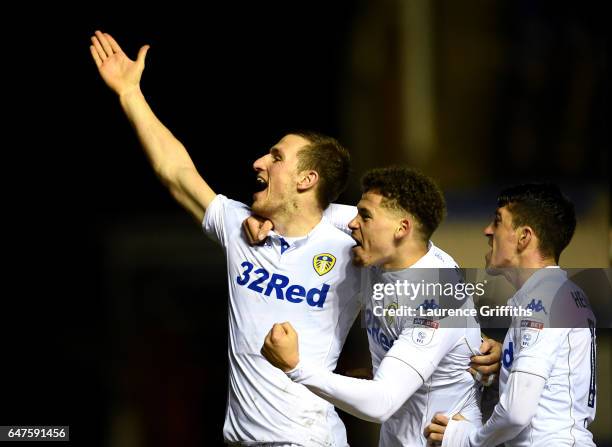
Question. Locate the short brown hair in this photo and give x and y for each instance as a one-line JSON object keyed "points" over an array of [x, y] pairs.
{"points": [[411, 191], [331, 161], [543, 207]]}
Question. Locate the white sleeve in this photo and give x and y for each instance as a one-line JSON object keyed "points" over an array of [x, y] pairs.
{"points": [[516, 407], [340, 216], [541, 335], [423, 345], [407, 365], [373, 400], [223, 218], [538, 348]]}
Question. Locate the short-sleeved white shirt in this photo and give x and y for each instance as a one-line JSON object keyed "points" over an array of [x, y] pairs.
{"points": [[556, 343], [308, 281], [439, 350]]}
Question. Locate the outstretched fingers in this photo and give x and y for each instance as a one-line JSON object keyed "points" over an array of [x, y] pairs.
{"points": [[105, 43], [98, 47], [95, 56], [113, 43]]}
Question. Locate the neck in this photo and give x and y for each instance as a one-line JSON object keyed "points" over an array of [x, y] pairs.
{"points": [[299, 222], [526, 267], [406, 255]]}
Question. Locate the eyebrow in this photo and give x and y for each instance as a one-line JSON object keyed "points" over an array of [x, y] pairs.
{"points": [[274, 152], [363, 211]]}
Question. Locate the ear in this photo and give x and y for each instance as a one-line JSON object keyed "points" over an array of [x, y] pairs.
{"points": [[307, 180], [403, 229], [524, 237]]}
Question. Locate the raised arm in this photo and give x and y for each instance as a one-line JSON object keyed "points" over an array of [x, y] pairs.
{"points": [[167, 155]]}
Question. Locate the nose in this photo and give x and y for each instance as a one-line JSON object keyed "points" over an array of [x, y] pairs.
{"points": [[353, 224], [259, 164], [488, 230]]}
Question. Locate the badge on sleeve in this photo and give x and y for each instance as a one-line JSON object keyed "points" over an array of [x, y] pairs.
{"points": [[530, 330], [423, 331]]}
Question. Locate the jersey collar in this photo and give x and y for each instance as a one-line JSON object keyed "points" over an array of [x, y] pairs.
{"points": [[291, 243]]}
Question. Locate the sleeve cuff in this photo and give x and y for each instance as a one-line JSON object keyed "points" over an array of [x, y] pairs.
{"points": [[296, 372], [457, 434]]}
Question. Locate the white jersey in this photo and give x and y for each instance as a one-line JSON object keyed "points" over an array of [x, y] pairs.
{"points": [[310, 282], [441, 355], [557, 343], [439, 350]]}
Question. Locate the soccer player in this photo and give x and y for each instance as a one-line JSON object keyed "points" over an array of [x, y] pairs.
{"points": [[547, 381], [420, 363], [302, 273]]}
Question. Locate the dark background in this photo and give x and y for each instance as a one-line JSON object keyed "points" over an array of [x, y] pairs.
{"points": [[115, 304]]}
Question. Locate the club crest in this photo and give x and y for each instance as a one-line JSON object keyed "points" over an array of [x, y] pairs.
{"points": [[388, 315], [323, 263]]}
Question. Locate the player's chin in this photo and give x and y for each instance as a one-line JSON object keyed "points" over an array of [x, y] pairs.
{"points": [[258, 198], [489, 267], [359, 258], [258, 206]]}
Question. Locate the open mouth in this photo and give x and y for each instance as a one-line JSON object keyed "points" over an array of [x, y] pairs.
{"points": [[260, 184]]}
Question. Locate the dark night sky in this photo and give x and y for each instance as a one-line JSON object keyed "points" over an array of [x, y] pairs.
{"points": [[228, 80]]}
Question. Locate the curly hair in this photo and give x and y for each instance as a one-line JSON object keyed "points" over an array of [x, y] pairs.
{"points": [[330, 159], [411, 191], [543, 207]]}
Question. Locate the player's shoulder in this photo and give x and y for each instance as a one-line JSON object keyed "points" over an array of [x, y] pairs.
{"points": [[332, 235], [550, 284], [557, 299], [421, 331], [437, 258], [328, 242], [229, 206], [337, 212], [222, 200]]}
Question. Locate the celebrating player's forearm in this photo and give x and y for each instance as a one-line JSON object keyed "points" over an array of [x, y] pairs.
{"points": [[167, 155], [373, 400], [515, 410]]}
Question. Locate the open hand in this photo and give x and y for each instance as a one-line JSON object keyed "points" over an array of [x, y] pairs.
{"points": [[119, 72]]}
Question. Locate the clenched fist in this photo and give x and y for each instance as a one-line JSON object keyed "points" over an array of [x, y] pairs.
{"points": [[281, 347]]}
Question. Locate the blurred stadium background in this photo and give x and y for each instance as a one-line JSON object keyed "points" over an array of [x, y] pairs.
{"points": [[121, 311]]}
